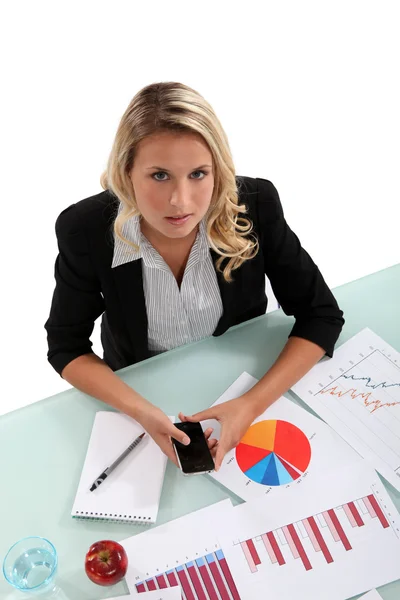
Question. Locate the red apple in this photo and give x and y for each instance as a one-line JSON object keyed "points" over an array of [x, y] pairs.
{"points": [[106, 562]]}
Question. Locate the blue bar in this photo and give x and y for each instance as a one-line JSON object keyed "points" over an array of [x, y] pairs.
{"points": [[220, 554], [180, 568], [210, 558], [190, 564], [169, 572], [200, 562]]}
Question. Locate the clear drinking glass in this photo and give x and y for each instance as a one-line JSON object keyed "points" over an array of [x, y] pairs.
{"points": [[30, 565]]}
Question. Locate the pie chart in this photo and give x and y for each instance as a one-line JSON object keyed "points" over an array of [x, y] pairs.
{"points": [[273, 453]]}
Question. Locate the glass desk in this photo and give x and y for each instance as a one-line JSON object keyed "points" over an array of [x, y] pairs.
{"points": [[43, 445]]}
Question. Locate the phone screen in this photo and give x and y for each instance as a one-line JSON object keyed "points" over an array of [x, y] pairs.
{"points": [[196, 457]]}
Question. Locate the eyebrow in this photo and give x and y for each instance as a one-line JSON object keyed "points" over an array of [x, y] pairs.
{"points": [[167, 170]]}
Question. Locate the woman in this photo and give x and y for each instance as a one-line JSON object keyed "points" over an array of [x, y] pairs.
{"points": [[176, 248]]}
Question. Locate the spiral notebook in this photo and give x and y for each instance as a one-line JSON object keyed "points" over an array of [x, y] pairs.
{"points": [[131, 493]]}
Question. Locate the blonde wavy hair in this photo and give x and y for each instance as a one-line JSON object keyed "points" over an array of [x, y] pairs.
{"points": [[175, 107]]}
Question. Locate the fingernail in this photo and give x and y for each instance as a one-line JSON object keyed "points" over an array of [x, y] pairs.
{"points": [[186, 441]]}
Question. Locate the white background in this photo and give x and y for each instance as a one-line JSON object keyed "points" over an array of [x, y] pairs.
{"points": [[307, 92]]}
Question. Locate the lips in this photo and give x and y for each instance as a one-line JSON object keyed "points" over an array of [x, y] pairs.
{"points": [[178, 216], [178, 220]]}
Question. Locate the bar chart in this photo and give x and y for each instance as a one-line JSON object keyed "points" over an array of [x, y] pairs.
{"points": [[204, 578], [185, 553], [319, 529], [345, 542]]}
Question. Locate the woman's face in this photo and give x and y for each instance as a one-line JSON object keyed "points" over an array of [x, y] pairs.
{"points": [[172, 176]]}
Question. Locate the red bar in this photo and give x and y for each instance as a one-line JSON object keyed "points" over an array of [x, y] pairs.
{"points": [[151, 585], [208, 583], [196, 583], [228, 576], [185, 584], [355, 513], [290, 541], [299, 547], [276, 549], [253, 552], [140, 587], [219, 581], [161, 581], [172, 579], [378, 511], [320, 539], [339, 529], [248, 557], [349, 515]]}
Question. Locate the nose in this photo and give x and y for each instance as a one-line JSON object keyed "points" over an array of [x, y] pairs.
{"points": [[179, 195], [177, 204]]}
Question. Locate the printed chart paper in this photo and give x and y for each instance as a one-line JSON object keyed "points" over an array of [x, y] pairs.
{"points": [[285, 452], [343, 542], [357, 392], [173, 593], [183, 552]]}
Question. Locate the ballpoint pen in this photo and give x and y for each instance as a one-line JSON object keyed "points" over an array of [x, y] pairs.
{"points": [[115, 464]]}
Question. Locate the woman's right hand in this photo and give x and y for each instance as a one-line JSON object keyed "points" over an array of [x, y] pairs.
{"points": [[161, 429]]}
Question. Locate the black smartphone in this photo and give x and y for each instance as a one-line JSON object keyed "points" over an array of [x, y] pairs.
{"points": [[195, 458]]}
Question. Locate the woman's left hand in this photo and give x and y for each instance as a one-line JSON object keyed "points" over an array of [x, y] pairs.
{"points": [[235, 417]]}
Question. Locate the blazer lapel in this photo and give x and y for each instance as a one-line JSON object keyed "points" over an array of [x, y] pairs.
{"points": [[228, 294], [129, 283]]}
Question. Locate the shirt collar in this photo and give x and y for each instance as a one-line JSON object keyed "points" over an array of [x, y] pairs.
{"points": [[124, 253]]}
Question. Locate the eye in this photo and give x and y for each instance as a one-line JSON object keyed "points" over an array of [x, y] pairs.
{"points": [[164, 173]]}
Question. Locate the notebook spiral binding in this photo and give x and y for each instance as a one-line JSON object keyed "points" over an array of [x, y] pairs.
{"points": [[112, 518]]}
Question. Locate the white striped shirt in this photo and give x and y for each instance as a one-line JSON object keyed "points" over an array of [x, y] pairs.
{"points": [[175, 316]]}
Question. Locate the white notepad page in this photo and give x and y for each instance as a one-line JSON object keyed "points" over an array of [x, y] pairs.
{"points": [[132, 491]]}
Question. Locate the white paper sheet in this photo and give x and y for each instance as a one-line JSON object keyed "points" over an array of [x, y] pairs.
{"points": [[173, 593], [346, 551], [303, 449], [372, 595], [184, 552], [358, 393]]}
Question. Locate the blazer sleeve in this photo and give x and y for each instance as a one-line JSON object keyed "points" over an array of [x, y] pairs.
{"points": [[295, 279], [77, 299]]}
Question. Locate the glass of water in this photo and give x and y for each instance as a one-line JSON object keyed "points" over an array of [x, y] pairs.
{"points": [[30, 565]]}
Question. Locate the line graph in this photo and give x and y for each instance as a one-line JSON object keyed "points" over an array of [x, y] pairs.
{"points": [[386, 424], [368, 398], [369, 380], [358, 393]]}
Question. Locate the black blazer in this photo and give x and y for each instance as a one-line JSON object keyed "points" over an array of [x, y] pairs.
{"points": [[87, 286]]}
